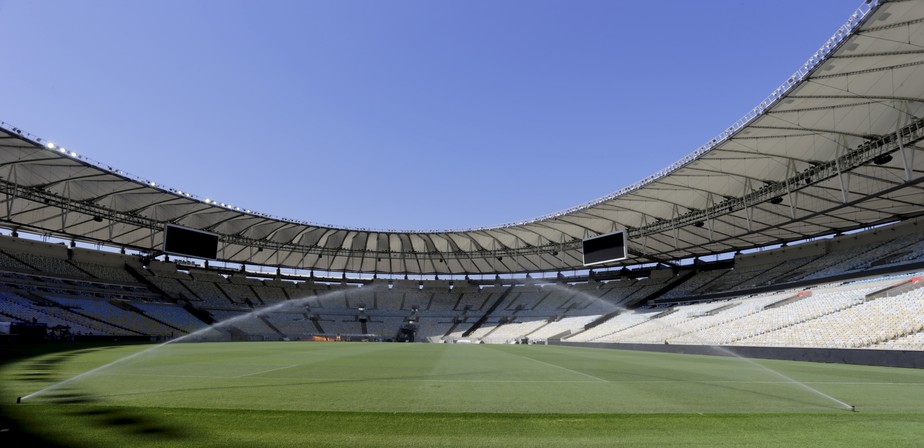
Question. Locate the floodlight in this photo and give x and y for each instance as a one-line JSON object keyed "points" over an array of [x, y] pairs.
{"points": [[883, 159]]}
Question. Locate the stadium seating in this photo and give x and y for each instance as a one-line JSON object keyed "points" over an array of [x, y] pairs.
{"points": [[97, 293]]}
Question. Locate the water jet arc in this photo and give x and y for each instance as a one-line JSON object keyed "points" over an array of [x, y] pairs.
{"points": [[254, 313], [717, 348]]}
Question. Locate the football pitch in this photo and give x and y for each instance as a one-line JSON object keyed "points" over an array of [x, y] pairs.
{"points": [[429, 395]]}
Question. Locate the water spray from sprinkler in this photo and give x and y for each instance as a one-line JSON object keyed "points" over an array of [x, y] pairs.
{"points": [[720, 349], [293, 303]]}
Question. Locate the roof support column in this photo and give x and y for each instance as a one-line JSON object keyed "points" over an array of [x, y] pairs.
{"points": [[842, 176], [67, 194], [907, 156], [790, 172], [710, 203], [748, 211], [11, 196], [674, 214]]}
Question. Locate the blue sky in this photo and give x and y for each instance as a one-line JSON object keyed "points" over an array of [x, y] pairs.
{"points": [[397, 114]]}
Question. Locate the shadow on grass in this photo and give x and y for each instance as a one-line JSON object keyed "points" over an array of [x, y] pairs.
{"points": [[14, 432]]}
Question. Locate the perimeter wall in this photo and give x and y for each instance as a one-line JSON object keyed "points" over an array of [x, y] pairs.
{"points": [[888, 358]]}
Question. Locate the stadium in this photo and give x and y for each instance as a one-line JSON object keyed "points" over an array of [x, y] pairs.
{"points": [[766, 289]]}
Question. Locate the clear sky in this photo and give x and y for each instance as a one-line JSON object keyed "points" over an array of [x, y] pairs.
{"points": [[397, 114]]}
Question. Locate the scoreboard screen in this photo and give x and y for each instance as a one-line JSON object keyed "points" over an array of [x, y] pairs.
{"points": [[605, 248], [190, 242]]}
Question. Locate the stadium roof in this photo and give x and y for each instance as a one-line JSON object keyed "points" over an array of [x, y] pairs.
{"points": [[833, 148]]}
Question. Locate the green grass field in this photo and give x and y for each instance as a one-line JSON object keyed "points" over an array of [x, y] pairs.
{"points": [[427, 395]]}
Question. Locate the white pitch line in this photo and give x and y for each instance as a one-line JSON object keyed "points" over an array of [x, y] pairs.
{"points": [[266, 371], [600, 380], [161, 375]]}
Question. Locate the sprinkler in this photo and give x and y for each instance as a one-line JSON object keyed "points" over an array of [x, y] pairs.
{"points": [[853, 408], [18, 400], [224, 323]]}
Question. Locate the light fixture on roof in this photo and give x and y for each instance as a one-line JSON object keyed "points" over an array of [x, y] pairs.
{"points": [[50, 145], [883, 159], [776, 200]]}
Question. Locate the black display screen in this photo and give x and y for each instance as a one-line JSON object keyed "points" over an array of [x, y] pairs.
{"points": [[605, 248], [190, 242]]}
